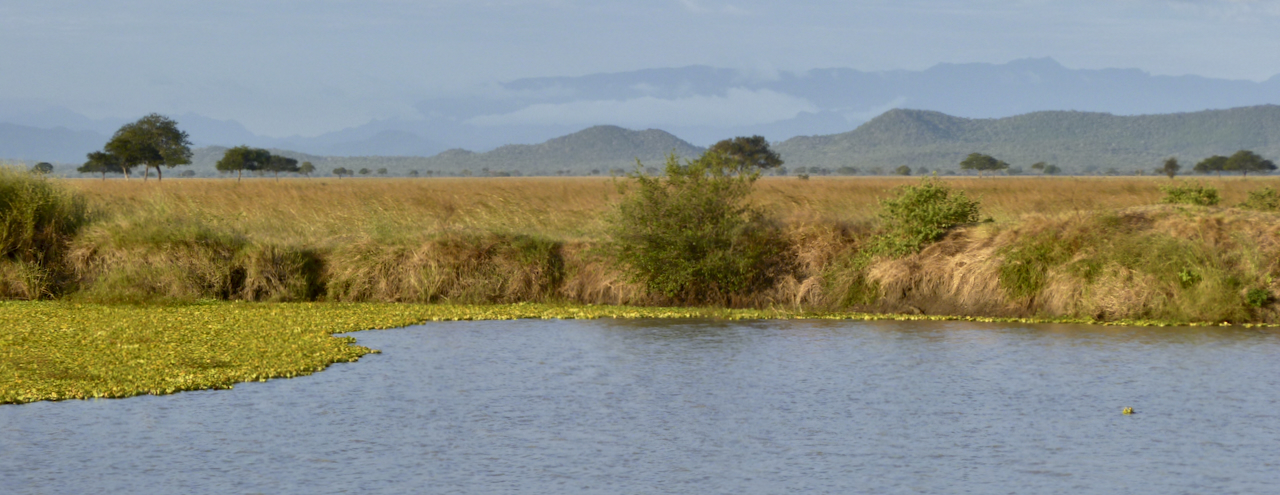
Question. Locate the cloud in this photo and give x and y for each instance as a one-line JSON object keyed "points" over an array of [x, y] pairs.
{"points": [[737, 107]]}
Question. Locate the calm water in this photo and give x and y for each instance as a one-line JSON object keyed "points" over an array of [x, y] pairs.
{"points": [[697, 407]]}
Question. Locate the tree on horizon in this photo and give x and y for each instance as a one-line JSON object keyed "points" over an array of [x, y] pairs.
{"points": [[151, 141]]}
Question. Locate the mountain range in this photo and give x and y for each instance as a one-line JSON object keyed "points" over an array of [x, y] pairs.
{"points": [[698, 103], [1077, 142]]}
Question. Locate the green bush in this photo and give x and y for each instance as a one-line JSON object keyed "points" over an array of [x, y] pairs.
{"points": [[1258, 297], [1264, 199], [691, 235], [918, 215], [1188, 194], [37, 221]]}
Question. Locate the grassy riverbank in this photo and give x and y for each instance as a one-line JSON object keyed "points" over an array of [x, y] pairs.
{"points": [[58, 350], [1100, 248]]}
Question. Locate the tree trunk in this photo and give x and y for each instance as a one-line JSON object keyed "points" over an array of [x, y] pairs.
{"points": [[126, 173], [159, 175], [238, 172]]}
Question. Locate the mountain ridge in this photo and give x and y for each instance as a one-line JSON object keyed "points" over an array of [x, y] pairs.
{"points": [[704, 104], [1080, 141]]}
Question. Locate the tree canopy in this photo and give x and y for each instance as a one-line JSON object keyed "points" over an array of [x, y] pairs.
{"points": [[982, 163], [747, 154], [1215, 163], [42, 168], [1245, 161], [1170, 168], [306, 168], [152, 141], [243, 158], [101, 162], [276, 164]]}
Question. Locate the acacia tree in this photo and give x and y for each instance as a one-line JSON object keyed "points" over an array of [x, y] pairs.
{"points": [[276, 164], [42, 168], [306, 168], [1170, 168], [747, 154], [151, 141], [243, 158], [1215, 163], [101, 162], [1245, 161], [982, 163], [341, 171]]}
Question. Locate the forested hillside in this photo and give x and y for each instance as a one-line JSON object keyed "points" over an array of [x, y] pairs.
{"points": [[1075, 141]]}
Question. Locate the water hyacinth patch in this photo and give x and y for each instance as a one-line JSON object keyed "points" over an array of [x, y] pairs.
{"points": [[60, 350]]}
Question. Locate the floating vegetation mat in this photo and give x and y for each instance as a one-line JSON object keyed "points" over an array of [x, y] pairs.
{"points": [[58, 350]]}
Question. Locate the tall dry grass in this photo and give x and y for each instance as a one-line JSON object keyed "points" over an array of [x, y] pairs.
{"points": [[1053, 247], [332, 212]]}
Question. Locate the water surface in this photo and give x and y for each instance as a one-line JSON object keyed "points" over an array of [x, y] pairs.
{"points": [[667, 406]]}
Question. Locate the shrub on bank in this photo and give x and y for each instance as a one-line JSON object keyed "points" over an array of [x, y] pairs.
{"points": [[1264, 199], [1183, 193], [917, 215], [691, 235]]}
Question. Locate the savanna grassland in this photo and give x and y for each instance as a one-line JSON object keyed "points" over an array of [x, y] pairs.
{"points": [[157, 287], [324, 211], [506, 240]]}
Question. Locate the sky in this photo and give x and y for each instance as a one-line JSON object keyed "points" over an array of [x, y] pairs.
{"points": [[305, 67]]}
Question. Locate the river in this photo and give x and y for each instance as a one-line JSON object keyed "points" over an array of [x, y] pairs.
{"points": [[671, 406]]}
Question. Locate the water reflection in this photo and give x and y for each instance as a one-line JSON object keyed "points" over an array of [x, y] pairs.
{"points": [[640, 406]]}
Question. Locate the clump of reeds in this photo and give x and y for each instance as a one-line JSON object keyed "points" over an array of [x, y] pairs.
{"points": [[457, 268], [37, 221]]}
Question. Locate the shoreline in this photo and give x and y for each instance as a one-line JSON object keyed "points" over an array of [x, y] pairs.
{"points": [[57, 350]]}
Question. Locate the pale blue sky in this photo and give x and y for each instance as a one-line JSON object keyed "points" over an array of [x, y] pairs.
{"points": [[285, 67]]}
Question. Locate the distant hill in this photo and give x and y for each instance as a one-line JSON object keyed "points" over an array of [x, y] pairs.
{"points": [[1076, 141], [596, 149]]}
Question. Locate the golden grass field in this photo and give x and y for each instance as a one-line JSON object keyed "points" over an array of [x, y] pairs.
{"points": [[328, 212]]}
